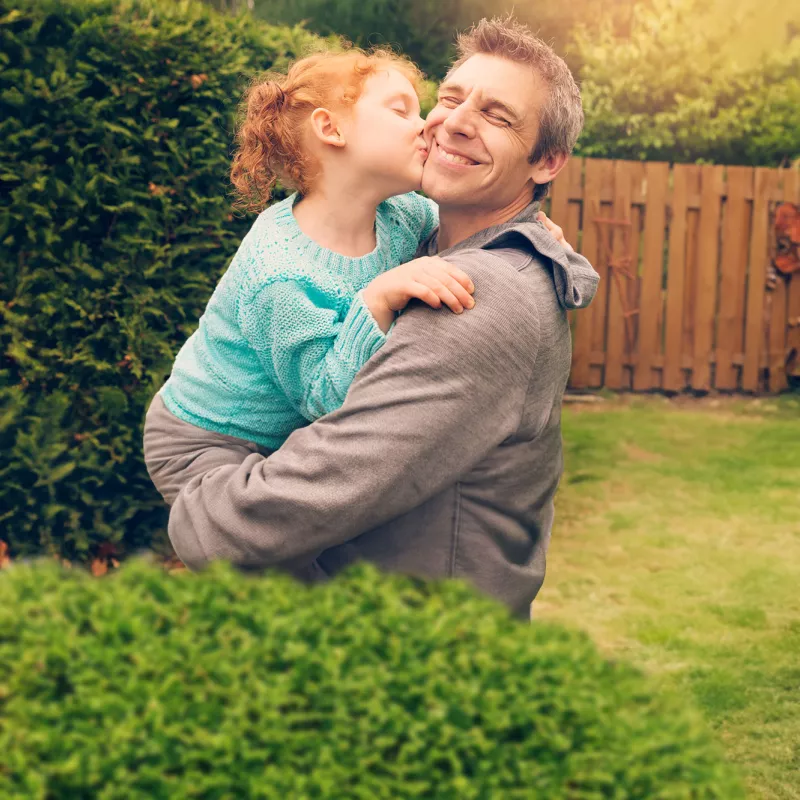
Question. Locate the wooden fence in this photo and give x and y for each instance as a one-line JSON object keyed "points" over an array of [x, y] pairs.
{"points": [[684, 258]]}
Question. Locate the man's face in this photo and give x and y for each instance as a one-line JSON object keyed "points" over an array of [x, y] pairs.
{"points": [[481, 133]]}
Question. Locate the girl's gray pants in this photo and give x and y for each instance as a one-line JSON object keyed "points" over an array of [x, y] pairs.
{"points": [[189, 466]]}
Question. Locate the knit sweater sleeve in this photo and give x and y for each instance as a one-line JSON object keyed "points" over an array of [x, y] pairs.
{"points": [[299, 337], [428, 213], [416, 216]]}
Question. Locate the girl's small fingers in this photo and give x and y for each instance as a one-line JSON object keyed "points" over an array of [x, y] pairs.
{"points": [[460, 276], [453, 284], [551, 226], [439, 268], [557, 231], [424, 293], [444, 294], [461, 294]]}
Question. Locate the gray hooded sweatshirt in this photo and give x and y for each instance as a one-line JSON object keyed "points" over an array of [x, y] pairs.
{"points": [[445, 457]]}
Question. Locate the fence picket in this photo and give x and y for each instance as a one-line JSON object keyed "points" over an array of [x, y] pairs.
{"points": [[756, 283], [559, 197], [603, 210], [690, 284], [652, 268], [707, 264], [736, 233], [572, 221], [615, 343], [673, 379], [638, 189], [584, 324]]}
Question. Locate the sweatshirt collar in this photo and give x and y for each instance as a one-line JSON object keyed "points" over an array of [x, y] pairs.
{"points": [[574, 279]]}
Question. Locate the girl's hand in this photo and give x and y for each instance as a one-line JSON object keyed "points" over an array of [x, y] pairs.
{"points": [[558, 234], [430, 279]]}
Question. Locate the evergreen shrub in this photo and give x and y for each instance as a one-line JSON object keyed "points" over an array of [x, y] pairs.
{"points": [[143, 684], [116, 123]]}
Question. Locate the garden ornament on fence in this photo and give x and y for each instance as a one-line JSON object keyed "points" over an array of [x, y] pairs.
{"points": [[787, 238], [785, 265]]}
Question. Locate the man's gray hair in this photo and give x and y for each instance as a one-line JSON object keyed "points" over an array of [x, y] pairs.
{"points": [[561, 118]]}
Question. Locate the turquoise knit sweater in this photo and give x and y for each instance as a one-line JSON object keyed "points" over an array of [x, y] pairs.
{"points": [[285, 331]]}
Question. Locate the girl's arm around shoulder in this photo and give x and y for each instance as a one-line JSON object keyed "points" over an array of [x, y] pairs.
{"points": [[308, 342], [417, 215]]}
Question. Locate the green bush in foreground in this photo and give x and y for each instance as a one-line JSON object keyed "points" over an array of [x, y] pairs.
{"points": [[147, 685], [116, 121]]}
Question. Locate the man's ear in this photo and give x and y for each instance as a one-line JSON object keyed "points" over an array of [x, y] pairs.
{"points": [[546, 170], [325, 127]]}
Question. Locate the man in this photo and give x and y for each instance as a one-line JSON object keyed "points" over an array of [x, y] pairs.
{"points": [[445, 457]]}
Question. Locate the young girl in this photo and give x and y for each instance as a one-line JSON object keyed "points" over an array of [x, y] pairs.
{"points": [[314, 287]]}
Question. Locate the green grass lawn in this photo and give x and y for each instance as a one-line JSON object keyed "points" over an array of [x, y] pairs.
{"points": [[677, 546]]}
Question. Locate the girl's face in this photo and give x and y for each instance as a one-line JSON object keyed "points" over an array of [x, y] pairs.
{"points": [[383, 134]]}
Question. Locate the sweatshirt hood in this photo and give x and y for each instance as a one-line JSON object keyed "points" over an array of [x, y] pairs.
{"points": [[574, 278]]}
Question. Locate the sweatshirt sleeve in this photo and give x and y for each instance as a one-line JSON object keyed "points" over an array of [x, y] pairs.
{"points": [[443, 392], [298, 336]]}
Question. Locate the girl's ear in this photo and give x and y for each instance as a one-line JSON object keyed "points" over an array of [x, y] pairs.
{"points": [[325, 127]]}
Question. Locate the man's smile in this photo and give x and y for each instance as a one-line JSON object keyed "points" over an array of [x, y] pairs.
{"points": [[451, 157]]}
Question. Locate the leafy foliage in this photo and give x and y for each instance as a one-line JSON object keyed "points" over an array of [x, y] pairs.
{"points": [[673, 91], [115, 130], [144, 685], [673, 80], [426, 29], [423, 29]]}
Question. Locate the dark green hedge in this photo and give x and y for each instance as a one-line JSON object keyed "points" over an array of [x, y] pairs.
{"points": [[115, 132], [147, 685]]}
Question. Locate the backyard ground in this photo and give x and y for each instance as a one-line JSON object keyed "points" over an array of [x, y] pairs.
{"points": [[677, 545]]}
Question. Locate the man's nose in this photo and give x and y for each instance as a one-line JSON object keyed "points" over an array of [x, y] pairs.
{"points": [[460, 120]]}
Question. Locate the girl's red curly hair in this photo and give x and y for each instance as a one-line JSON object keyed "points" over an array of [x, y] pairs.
{"points": [[274, 110]]}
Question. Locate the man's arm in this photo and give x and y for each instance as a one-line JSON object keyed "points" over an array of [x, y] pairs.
{"points": [[433, 402]]}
